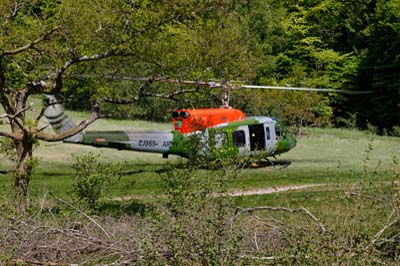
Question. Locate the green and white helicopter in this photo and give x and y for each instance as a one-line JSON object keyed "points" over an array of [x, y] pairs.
{"points": [[222, 132]]}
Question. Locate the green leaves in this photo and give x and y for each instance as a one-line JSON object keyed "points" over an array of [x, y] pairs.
{"points": [[93, 177]]}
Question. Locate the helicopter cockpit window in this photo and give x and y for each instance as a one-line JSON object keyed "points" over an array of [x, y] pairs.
{"points": [[239, 138], [180, 115], [268, 133], [278, 132]]}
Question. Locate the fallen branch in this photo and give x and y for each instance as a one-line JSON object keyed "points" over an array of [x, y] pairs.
{"points": [[17, 262], [81, 212], [384, 228], [269, 259], [270, 208], [356, 194]]}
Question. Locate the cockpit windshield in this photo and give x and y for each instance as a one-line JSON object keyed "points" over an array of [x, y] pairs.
{"points": [[278, 132]]}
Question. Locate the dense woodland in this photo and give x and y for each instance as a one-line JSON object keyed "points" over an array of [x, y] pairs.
{"points": [[330, 44]]}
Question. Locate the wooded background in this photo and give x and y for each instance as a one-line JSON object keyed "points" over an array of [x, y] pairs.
{"points": [[324, 43]]}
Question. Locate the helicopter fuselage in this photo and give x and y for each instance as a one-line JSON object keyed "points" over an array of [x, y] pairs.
{"points": [[251, 136]]}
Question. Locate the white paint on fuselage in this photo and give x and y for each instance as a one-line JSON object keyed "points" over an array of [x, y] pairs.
{"points": [[150, 141]]}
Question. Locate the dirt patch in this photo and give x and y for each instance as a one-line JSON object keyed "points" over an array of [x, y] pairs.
{"points": [[269, 190], [251, 192]]}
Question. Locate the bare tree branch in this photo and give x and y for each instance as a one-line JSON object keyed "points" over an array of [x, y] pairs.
{"points": [[170, 96], [35, 263], [57, 76], [374, 198], [7, 135], [29, 45], [41, 113], [69, 133], [119, 100], [16, 9], [14, 118], [268, 259]]}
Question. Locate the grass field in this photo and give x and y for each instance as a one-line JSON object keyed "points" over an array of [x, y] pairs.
{"points": [[322, 156], [350, 184]]}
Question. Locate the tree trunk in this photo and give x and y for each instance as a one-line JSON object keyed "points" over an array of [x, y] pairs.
{"points": [[23, 172]]}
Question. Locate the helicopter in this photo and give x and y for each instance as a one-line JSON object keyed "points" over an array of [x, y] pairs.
{"points": [[217, 132]]}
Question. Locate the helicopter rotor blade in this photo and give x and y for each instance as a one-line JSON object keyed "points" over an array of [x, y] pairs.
{"points": [[226, 86], [208, 84], [212, 84], [303, 89]]}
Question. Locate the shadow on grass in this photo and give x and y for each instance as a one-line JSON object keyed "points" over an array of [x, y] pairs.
{"points": [[4, 172], [120, 208]]}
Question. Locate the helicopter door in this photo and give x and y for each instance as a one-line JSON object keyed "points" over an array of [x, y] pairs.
{"points": [[257, 137], [269, 137], [241, 139]]}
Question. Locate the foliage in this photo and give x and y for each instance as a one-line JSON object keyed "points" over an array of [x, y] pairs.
{"points": [[80, 51], [184, 219], [93, 177], [7, 149], [310, 43], [360, 223], [43, 43], [378, 68], [194, 227]]}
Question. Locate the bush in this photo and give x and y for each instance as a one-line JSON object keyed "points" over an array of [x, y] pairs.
{"points": [[194, 227], [93, 177]]}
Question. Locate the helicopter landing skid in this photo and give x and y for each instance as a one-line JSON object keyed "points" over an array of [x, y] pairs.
{"points": [[270, 163]]}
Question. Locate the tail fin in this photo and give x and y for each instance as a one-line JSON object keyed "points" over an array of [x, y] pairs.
{"points": [[59, 120]]}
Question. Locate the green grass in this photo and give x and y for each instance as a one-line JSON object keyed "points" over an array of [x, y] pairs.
{"points": [[322, 156], [340, 160]]}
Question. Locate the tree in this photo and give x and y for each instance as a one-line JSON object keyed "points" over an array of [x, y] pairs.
{"points": [[42, 41], [213, 45], [379, 69]]}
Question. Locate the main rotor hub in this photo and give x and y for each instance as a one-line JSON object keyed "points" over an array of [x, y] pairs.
{"points": [[226, 94]]}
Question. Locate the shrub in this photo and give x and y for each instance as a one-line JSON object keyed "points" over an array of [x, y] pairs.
{"points": [[194, 227], [93, 177]]}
